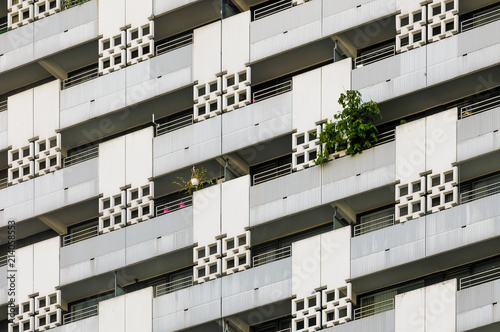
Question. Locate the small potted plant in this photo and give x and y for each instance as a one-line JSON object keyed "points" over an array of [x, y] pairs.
{"points": [[197, 181]]}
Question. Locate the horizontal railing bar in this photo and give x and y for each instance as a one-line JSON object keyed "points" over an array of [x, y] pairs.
{"points": [[173, 286], [373, 309], [82, 156], [373, 225], [272, 89], [80, 314], [172, 206], [4, 183], [271, 9], [272, 256], [3, 260], [480, 278], [273, 173], [478, 20], [481, 192], [174, 44], [81, 235], [3, 105], [484, 105]]}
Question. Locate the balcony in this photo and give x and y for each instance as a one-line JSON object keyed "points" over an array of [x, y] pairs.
{"points": [[477, 306], [4, 144]]}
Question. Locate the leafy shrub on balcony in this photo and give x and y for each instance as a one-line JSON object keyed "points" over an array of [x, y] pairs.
{"points": [[352, 129]]}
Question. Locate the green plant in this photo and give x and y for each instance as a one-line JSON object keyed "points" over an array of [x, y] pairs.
{"points": [[353, 129], [199, 174]]}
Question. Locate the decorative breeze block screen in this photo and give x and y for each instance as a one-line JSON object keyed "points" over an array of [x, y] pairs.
{"points": [[207, 100], [442, 190], [112, 212], [20, 12], [443, 19], [48, 155], [306, 313], [306, 148], [21, 164], [236, 90], [208, 263], [236, 253], [140, 43], [112, 53], [140, 206], [44, 8], [410, 200], [411, 29], [337, 305]]}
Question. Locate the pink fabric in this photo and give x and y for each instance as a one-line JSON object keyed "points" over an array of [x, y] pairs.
{"points": [[182, 204]]}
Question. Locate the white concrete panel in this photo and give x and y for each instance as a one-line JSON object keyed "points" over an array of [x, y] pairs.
{"points": [[336, 257], [441, 141], [138, 12], [46, 266], [112, 315], [139, 310], [46, 109], [24, 265], [306, 99], [111, 17], [306, 266], [440, 306], [410, 311], [207, 53], [236, 42], [139, 157], [206, 214], [20, 121], [236, 206], [407, 6], [410, 150], [112, 166], [335, 80], [162, 6]]}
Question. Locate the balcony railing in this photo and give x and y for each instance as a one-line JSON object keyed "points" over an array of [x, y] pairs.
{"points": [[271, 9], [272, 91], [80, 157], [3, 105], [485, 191], [480, 20], [67, 4], [285, 330], [385, 137], [3, 260], [173, 286], [77, 315], [174, 44], [272, 174], [375, 56], [4, 183], [164, 208], [479, 107], [80, 235], [373, 309], [479, 278], [272, 256], [80, 78], [174, 124], [373, 225], [3, 27]]}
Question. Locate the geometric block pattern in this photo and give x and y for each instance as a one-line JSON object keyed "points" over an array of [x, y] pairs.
{"points": [[443, 19], [236, 90], [411, 29], [112, 212], [236, 253], [306, 148], [48, 155], [112, 53], [410, 200], [442, 190], [337, 305], [140, 43], [306, 313], [21, 165], [44, 8], [48, 311], [20, 13], [140, 206], [208, 263], [207, 100]]}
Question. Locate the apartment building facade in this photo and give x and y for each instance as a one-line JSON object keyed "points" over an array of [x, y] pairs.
{"points": [[107, 108]]}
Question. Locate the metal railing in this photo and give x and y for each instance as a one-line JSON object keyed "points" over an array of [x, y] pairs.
{"points": [[480, 20], [272, 174], [373, 309], [272, 256], [271, 9], [285, 330], [164, 208], [84, 234], [485, 191], [375, 56], [174, 44], [479, 278], [80, 314], [4, 183], [385, 137], [80, 78], [373, 225], [80, 157], [173, 286], [3, 105], [3, 27], [479, 107], [174, 124], [3, 260], [272, 91], [67, 4]]}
